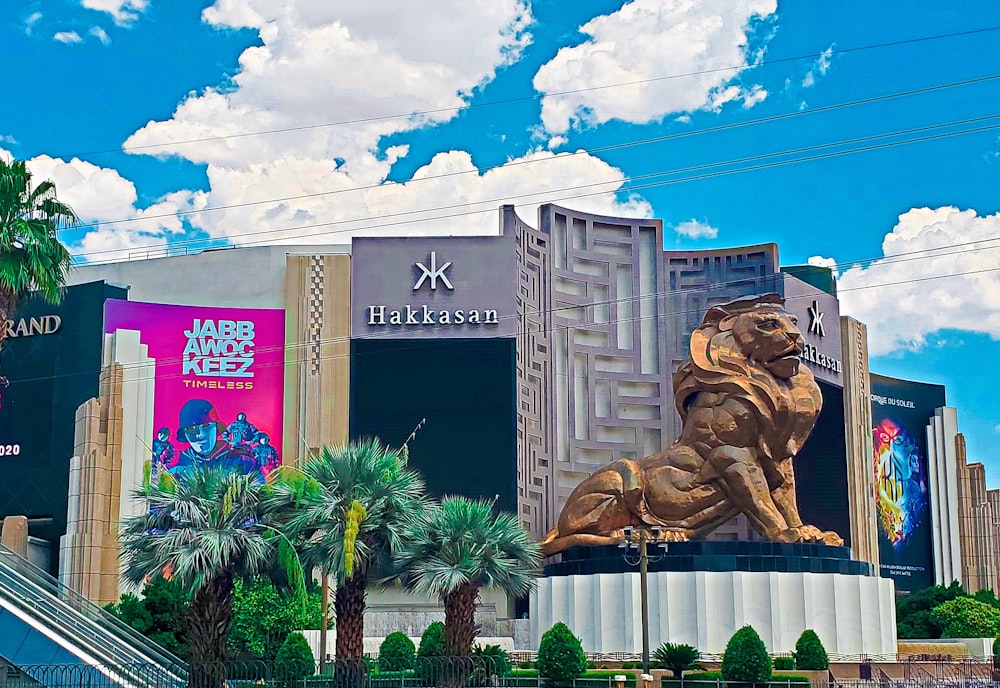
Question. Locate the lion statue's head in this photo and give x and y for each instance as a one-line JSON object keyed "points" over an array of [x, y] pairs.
{"points": [[750, 348]]}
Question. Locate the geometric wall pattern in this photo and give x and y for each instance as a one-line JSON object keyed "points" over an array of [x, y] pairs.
{"points": [[591, 380], [697, 280], [605, 317]]}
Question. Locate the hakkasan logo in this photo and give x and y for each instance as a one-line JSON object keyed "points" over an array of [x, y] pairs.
{"points": [[431, 273], [219, 348], [30, 327]]}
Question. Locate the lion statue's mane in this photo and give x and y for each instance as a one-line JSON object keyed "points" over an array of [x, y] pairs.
{"points": [[719, 364]]}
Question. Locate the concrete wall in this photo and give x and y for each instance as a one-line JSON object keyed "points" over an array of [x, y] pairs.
{"points": [[851, 614], [234, 277]]}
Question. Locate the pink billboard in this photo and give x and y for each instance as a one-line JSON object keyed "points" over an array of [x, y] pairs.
{"points": [[219, 383]]}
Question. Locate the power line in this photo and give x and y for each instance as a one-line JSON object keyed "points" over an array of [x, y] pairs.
{"points": [[408, 336], [585, 151], [540, 96], [627, 188]]}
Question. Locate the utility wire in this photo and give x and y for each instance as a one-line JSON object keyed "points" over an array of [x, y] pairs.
{"points": [[628, 186], [553, 94], [580, 152], [408, 334]]}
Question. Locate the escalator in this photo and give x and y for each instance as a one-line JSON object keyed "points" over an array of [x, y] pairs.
{"points": [[58, 637]]}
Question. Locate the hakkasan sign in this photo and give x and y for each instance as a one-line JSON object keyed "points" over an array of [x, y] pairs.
{"points": [[218, 385], [430, 287]]}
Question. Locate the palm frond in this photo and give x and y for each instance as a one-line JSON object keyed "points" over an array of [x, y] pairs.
{"points": [[461, 541], [32, 259], [351, 512], [201, 522]]}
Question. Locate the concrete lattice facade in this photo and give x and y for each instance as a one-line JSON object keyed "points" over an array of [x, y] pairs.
{"points": [[605, 317], [590, 361]]}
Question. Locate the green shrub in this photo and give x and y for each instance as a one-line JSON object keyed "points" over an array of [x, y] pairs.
{"points": [[784, 663], [294, 660], [711, 679], [396, 653], [965, 617], [560, 656], [432, 641], [810, 655], [525, 665], [627, 665], [428, 664], [591, 665], [677, 658], [491, 660], [996, 646], [745, 659]]}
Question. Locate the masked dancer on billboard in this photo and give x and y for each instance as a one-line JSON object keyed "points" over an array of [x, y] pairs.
{"points": [[201, 428]]}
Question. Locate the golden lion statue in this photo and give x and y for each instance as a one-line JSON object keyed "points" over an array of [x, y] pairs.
{"points": [[747, 407]]}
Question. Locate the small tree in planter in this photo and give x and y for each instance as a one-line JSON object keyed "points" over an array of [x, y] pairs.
{"points": [[810, 655], [490, 661], [294, 660], [431, 651], [677, 657], [745, 659], [560, 656], [396, 653]]}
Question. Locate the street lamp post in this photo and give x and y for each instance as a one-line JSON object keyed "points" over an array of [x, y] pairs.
{"points": [[635, 552]]}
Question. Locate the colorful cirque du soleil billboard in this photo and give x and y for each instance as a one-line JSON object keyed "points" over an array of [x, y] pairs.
{"points": [[218, 385], [901, 411]]}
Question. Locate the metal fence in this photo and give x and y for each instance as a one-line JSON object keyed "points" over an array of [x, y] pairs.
{"points": [[457, 672]]}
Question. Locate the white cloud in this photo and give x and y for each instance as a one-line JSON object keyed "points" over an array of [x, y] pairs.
{"points": [[693, 229], [358, 62], [68, 37], [820, 261], [448, 196], [902, 297], [756, 94], [99, 194], [645, 41], [31, 21], [100, 34], [124, 12], [819, 68], [323, 62]]}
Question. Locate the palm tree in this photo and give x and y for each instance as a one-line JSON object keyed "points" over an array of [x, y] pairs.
{"points": [[348, 510], [456, 548], [206, 529], [677, 658], [32, 259]]}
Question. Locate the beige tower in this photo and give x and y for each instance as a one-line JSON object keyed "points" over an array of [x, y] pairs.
{"points": [[976, 523], [317, 361], [113, 435], [858, 433]]}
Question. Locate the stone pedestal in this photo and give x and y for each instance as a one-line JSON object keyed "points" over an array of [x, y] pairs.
{"points": [[701, 593]]}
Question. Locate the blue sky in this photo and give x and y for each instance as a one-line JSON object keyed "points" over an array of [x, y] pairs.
{"points": [[295, 121]]}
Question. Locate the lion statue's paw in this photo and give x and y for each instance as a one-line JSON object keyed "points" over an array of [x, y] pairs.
{"points": [[806, 533], [679, 535]]}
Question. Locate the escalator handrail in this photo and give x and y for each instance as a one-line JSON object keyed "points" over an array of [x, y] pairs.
{"points": [[68, 624], [47, 589]]}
